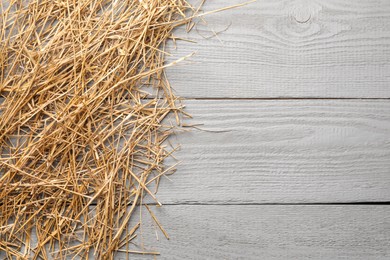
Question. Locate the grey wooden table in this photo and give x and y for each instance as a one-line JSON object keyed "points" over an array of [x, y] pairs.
{"points": [[295, 162], [292, 160]]}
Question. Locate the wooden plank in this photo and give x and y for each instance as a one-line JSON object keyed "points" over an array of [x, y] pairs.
{"points": [[278, 48], [282, 151], [265, 232], [270, 232]]}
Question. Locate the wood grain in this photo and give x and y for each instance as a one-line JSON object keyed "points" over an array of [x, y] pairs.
{"points": [[270, 232], [282, 151], [273, 232], [283, 48]]}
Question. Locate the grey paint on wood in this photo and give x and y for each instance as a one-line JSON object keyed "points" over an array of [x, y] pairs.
{"points": [[303, 151], [284, 48], [283, 151], [270, 232]]}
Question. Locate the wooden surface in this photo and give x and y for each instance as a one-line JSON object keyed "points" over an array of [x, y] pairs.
{"points": [[271, 232], [294, 104], [293, 98], [289, 48], [283, 151]]}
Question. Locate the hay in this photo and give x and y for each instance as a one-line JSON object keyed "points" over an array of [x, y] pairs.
{"points": [[84, 102], [81, 140]]}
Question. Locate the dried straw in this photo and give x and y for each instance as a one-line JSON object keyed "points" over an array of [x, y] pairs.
{"points": [[81, 140]]}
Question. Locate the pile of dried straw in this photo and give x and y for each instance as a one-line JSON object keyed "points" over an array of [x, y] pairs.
{"points": [[81, 140]]}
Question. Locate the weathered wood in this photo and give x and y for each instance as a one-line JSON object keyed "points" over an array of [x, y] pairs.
{"points": [[278, 48], [285, 151], [270, 232], [265, 232]]}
